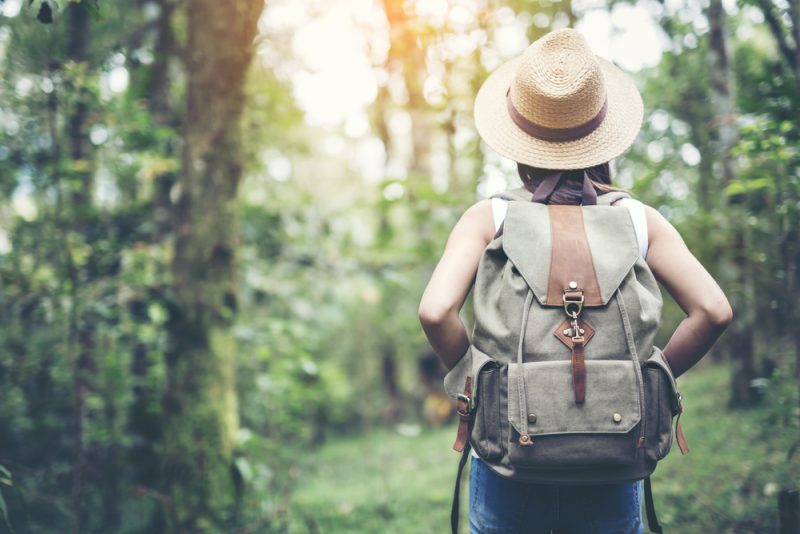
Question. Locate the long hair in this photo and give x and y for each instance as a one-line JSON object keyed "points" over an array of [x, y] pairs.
{"points": [[570, 190]]}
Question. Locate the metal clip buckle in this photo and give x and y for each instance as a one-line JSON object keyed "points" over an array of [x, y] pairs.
{"points": [[468, 400], [576, 331], [573, 306]]}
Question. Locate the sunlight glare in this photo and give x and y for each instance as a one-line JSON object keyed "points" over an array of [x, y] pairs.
{"points": [[23, 203], [510, 39], [628, 36], [400, 123], [5, 243], [370, 159], [11, 8], [393, 191], [279, 167], [98, 134], [689, 154], [118, 79], [655, 151], [461, 18], [659, 120], [340, 80], [23, 86], [357, 125], [333, 145], [434, 91], [434, 10]]}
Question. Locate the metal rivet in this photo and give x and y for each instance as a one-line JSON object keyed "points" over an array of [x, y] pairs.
{"points": [[524, 438], [531, 418], [573, 285], [567, 332], [617, 418]]}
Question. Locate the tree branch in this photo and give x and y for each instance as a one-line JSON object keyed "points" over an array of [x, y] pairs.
{"points": [[794, 13], [777, 31]]}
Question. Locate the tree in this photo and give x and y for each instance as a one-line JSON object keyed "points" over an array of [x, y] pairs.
{"points": [[200, 408]]}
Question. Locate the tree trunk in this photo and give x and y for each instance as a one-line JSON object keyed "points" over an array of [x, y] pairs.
{"points": [[200, 407], [80, 336], [741, 338]]}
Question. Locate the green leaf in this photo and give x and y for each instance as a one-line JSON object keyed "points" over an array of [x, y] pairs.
{"points": [[93, 8], [4, 511], [734, 188]]}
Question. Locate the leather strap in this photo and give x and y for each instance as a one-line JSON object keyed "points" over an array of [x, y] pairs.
{"points": [[555, 135], [570, 257], [464, 416], [578, 372], [683, 445], [650, 508], [454, 508]]}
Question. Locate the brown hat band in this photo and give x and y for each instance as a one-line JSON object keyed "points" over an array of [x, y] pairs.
{"points": [[555, 134]]}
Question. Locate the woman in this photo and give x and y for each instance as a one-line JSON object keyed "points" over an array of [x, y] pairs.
{"points": [[563, 114]]}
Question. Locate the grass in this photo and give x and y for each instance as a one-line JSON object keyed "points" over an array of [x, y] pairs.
{"points": [[386, 482]]}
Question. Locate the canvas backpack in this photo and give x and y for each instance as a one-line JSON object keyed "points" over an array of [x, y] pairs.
{"points": [[562, 383]]}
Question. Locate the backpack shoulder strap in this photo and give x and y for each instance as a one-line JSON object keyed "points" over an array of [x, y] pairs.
{"points": [[606, 199], [519, 193], [650, 508], [522, 194]]}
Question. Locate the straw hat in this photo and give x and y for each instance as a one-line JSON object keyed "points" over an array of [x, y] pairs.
{"points": [[558, 106]]}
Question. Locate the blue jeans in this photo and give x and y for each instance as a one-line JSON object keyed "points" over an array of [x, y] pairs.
{"points": [[498, 505]]}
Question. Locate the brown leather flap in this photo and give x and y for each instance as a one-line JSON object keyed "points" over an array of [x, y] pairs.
{"points": [[594, 246], [571, 264]]}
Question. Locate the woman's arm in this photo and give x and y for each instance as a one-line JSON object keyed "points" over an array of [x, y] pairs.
{"points": [[451, 282], [707, 310]]}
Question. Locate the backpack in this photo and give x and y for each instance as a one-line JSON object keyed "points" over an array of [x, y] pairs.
{"points": [[562, 383]]}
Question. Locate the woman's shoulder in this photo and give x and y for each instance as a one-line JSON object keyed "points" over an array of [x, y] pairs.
{"points": [[479, 219], [658, 227]]}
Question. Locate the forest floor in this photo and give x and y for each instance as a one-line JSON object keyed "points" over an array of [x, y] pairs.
{"points": [[399, 482]]}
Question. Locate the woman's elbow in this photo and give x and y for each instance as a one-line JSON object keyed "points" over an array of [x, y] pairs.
{"points": [[432, 314], [720, 314]]}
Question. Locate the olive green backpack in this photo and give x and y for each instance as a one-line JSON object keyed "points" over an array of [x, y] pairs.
{"points": [[562, 383]]}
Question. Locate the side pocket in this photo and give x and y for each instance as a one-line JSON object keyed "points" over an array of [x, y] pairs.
{"points": [[487, 429], [660, 405]]}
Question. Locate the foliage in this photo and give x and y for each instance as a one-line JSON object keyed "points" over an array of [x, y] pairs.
{"points": [[340, 223], [728, 482]]}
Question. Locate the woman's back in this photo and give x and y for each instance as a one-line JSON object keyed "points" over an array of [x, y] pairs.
{"points": [[558, 106]]}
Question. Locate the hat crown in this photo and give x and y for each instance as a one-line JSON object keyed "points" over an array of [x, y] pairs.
{"points": [[559, 82]]}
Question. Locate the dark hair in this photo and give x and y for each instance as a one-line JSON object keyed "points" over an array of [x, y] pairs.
{"points": [[570, 189]]}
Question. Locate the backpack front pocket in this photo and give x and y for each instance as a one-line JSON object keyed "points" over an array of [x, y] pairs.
{"points": [[602, 430]]}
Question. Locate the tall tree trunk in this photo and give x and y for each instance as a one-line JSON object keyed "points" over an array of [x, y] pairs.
{"points": [[741, 338], [409, 60], [81, 334], [200, 407]]}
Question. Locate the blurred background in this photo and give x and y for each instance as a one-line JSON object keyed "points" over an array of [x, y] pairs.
{"points": [[217, 219]]}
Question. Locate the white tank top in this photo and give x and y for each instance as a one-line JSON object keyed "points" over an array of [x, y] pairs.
{"points": [[636, 209]]}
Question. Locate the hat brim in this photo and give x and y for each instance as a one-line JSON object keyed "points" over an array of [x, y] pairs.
{"points": [[614, 136]]}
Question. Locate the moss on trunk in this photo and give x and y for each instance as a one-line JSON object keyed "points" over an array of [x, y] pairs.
{"points": [[200, 408]]}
